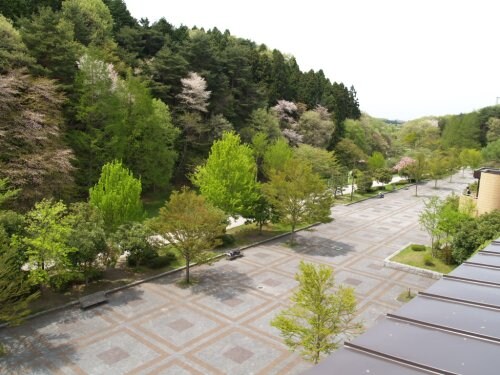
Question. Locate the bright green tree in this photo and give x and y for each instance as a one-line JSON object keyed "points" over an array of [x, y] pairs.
{"points": [[470, 158], [417, 169], [492, 151], [46, 241], [319, 318], [376, 161], [228, 178], [276, 156], [437, 167], [117, 195], [191, 225], [429, 220], [298, 194], [322, 161]]}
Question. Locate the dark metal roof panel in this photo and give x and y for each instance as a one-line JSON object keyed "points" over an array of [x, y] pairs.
{"points": [[474, 319], [473, 272], [428, 346], [493, 247], [486, 259], [352, 362], [475, 293]]}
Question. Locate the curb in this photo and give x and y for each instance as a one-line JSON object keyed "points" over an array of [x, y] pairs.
{"points": [[163, 274], [410, 269]]}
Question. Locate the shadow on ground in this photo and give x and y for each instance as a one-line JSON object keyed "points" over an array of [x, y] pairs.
{"points": [[319, 246], [42, 345]]}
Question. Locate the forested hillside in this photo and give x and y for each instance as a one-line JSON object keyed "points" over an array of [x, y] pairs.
{"points": [[84, 83]]}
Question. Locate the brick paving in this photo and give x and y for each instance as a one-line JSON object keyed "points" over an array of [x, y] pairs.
{"points": [[221, 325]]}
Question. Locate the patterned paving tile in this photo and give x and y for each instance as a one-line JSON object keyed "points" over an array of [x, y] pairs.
{"points": [[177, 326], [135, 302], [231, 310], [114, 354], [239, 353], [180, 325], [363, 285], [273, 283]]}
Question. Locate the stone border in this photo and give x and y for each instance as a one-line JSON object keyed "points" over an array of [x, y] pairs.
{"points": [[163, 274], [410, 269]]}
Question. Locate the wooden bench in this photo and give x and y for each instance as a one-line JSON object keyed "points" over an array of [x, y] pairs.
{"points": [[93, 300]]}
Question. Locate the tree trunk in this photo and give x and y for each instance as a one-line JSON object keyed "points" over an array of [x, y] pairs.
{"points": [[187, 270], [416, 188], [435, 184]]}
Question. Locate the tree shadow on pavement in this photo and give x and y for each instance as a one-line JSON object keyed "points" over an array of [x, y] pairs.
{"points": [[223, 282], [320, 246]]}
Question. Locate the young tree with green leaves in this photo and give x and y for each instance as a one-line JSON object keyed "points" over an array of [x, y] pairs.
{"points": [[417, 169], [46, 241], [429, 220], [437, 167], [276, 155], [376, 161], [298, 195], [318, 315], [117, 195], [471, 158], [228, 179], [15, 288], [15, 293], [87, 237], [322, 161], [191, 225]]}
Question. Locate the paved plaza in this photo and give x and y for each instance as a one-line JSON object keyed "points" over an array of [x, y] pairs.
{"points": [[221, 325]]}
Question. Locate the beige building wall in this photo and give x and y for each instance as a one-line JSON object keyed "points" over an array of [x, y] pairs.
{"points": [[489, 193]]}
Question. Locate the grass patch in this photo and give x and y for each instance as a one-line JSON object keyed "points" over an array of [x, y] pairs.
{"points": [[406, 296], [422, 259], [249, 233]]}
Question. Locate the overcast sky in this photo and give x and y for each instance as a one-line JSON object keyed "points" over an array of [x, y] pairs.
{"points": [[406, 58]]}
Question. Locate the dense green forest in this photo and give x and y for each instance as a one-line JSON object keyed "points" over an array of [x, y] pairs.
{"points": [[85, 83]]}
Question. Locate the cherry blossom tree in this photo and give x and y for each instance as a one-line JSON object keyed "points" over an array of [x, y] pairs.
{"points": [[194, 93]]}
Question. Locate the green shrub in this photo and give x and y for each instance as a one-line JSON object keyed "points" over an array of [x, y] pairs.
{"points": [[94, 274], [428, 260], [418, 247], [471, 234], [161, 261], [134, 238], [227, 239], [63, 281]]}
